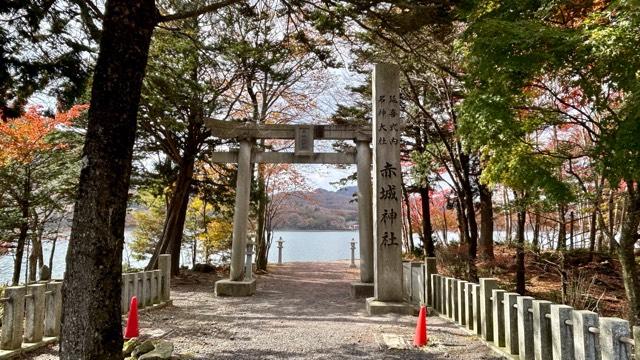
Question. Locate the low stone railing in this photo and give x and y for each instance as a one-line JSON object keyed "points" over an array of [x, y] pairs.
{"points": [[32, 313], [521, 326]]}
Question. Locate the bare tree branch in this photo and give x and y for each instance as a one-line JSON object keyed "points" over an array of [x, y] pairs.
{"points": [[199, 11]]}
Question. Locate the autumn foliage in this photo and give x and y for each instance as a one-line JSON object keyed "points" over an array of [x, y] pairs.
{"points": [[22, 138]]}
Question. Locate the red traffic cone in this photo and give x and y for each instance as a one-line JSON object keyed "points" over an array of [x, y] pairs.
{"points": [[420, 338], [132, 330]]}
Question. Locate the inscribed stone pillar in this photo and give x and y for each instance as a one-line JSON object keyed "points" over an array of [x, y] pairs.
{"points": [[387, 225], [241, 213], [365, 211]]}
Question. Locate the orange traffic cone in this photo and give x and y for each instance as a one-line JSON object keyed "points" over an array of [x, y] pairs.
{"points": [[420, 338], [132, 329]]}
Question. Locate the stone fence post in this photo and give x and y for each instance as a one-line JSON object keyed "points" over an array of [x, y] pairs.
{"points": [[586, 343], [486, 309], [53, 309], [477, 318], [468, 292], [164, 264], [636, 340], [462, 302], [511, 323], [542, 329], [13, 317], [498, 317], [525, 327], [156, 286], [140, 288], [429, 269], [561, 332], [613, 332], [124, 294], [147, 288], [34, 322]]}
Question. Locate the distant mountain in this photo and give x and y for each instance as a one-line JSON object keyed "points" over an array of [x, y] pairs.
{"points": [[319, 209]]}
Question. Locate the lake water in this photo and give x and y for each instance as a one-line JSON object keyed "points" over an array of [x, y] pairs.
{"points": [[298, 246]]}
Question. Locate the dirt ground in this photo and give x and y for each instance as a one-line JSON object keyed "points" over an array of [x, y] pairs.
{"points": [[300, 311]]}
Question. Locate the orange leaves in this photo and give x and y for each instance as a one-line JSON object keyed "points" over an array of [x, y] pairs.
{"points": [[21, 139]]}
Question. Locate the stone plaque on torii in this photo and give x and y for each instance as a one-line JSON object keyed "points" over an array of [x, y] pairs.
{"points": [[379, 216]]}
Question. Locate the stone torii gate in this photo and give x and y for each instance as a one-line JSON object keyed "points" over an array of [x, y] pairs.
{"points": [[379, 230], [304, 136]]}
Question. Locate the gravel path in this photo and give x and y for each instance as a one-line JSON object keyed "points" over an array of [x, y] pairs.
{"points": [[300, 311]]}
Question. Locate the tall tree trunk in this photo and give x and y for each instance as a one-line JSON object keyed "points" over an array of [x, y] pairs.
{"points": [[593, 228], [407, 205], [25, 207], [486, 223], [91, 314], [427, 229], [626, 252], [262, 255], [35, 257], [52, 254], [520, 266], [171, 240], [507, 216], [562, 228], [17, 263], [462, 223], [536, 231], [572, 219], [472, 228]]}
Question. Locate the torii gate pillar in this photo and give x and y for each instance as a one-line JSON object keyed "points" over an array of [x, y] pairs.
{"points": [[364, 288], [236, 285]]}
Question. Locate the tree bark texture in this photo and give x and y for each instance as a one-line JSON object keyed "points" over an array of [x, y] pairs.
{"points": [[427, 229], [91, 316], [626, 253], [520, 266], [262, 255], [485, 244], [171, 240], [562, 228]]}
